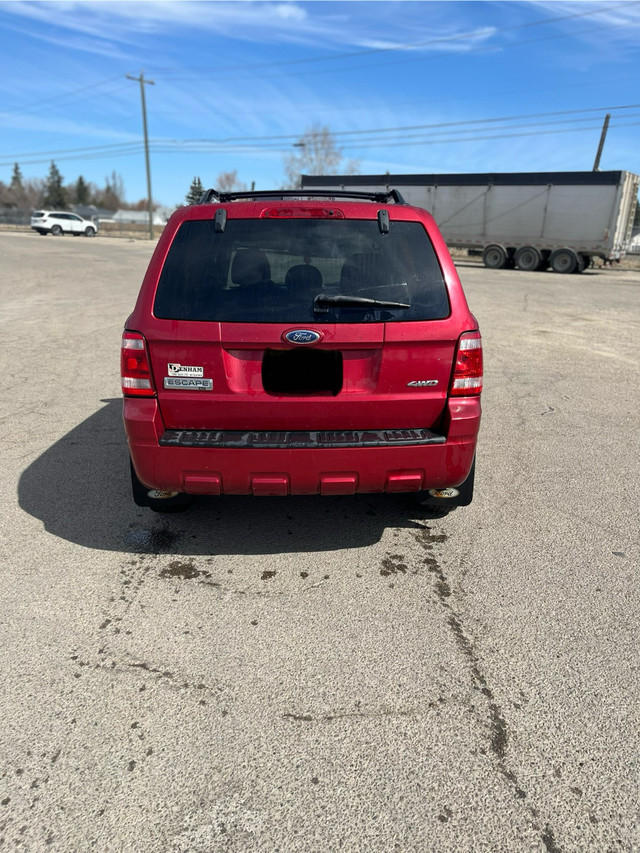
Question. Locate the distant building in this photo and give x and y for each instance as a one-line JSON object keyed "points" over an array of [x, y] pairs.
{"points": [[141, 217], [90, 211]]}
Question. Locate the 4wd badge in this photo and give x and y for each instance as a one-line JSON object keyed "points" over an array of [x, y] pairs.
{"points": [[184, 370]]}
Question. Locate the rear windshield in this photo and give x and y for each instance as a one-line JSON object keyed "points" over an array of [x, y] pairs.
{"points": [[297, 270]]}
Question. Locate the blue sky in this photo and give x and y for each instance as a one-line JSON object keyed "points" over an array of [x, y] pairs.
{"points": [[404, 86]]}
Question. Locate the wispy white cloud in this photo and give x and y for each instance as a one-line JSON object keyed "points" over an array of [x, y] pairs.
{"points": [[84, 43], [604, 25], [323, 26], [81, 130]]}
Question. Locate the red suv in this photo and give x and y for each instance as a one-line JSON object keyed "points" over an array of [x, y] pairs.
{"points": [[301, 343]]}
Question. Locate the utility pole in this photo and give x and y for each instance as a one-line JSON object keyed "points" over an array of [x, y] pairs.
{"points": [[603, 136], [142, 82]]}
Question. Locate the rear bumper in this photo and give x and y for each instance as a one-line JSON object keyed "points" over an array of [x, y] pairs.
{"points": [[248, 468]]}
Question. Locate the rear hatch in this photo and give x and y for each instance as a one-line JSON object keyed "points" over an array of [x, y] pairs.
{"points": [[323, 323]]}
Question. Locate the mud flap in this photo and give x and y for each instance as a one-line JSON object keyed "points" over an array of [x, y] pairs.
{"points": [[141, 497], [461, 495]]}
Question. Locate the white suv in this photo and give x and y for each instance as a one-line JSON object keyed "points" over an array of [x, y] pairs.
{"points": [[58, 222]]}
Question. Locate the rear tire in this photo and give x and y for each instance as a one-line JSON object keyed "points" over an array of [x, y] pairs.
{"points": [[56, 231], [142, 496], [528, 259], [564, 261], [494, 257]]}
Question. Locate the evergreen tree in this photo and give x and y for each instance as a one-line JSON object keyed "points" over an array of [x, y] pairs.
{"points": [[16, 179], [195, 191], [82, 191], [15, 194], [55, 193]]}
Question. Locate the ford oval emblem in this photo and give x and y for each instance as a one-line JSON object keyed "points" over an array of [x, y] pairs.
{"points": [[302, 336]]}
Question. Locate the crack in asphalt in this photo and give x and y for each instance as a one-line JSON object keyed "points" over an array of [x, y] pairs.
{"points": [[497, 724]]}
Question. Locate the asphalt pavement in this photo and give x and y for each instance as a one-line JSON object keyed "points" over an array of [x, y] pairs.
{"points": [[320, 674]]}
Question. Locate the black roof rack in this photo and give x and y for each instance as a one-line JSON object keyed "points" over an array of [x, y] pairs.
{"points": [[381, 197]]}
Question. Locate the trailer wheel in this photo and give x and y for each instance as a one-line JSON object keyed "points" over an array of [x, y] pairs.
{"points": [[564, 261], [494, 257], [528, 259]]}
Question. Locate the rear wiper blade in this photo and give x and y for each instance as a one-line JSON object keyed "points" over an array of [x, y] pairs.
{"points": [[323, 300]]}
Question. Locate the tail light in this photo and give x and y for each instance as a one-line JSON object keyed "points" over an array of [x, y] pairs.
{"points": [[467, 374], [134, 367]]}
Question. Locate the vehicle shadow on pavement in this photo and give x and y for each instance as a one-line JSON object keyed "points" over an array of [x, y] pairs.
{"points": [[80, 490]]}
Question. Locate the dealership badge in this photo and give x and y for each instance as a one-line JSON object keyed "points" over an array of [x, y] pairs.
{"points": [[184, 370]]}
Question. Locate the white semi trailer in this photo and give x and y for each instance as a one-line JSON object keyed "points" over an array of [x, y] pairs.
{"points": [[531, 220]]}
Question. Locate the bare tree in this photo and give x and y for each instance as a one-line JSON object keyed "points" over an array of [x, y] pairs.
{"points": [[316, 153], [112, 196], [228, 181], [34, 190]]}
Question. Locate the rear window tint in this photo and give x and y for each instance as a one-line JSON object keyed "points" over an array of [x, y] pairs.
{"points": [[271, 270]]}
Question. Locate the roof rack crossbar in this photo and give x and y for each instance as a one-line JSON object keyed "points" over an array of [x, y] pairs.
{"points": [[212, 195], [208, 196]]}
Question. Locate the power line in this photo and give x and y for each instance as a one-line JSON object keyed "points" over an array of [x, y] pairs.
{"points": [[203, 146], [410, 134], [89, 148], [136, 148], [429, 141], [109, 148], [160, 147], [90, 87], [402, 128], [462, 134]]}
